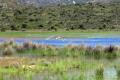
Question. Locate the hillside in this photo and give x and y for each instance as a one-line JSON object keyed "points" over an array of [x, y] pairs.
{"points": [[67, 17], [63, 2], [53, 2]]}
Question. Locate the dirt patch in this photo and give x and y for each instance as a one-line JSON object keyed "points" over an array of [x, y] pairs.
{"points": [[12, 61]]}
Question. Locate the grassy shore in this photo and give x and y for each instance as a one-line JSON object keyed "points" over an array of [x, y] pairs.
{"points": [[45, 34]]}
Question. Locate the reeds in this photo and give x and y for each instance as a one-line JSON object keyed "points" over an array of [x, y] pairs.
{"points": [[97, 52], [99, 73], [89, 51], [111, 52]]}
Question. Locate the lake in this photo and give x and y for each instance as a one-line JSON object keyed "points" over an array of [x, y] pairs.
{"points": [[68, 41]]}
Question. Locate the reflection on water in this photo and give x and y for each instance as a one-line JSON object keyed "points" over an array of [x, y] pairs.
{"points": [[90, 75], [108, 74]]}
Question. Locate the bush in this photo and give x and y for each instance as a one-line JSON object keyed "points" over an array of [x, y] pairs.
{"points": [[19, 48], [8, 51], [24, 26], [89, 51], [98, 52], [28, 45], [3, 29], [13, 27], [111, 52]]}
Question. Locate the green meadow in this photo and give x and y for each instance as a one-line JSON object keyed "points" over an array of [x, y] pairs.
{"points": [[67, 34]]}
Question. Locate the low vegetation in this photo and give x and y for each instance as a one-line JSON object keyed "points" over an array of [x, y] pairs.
{"points": [[54, 60], [67, 17], [10, 48]]}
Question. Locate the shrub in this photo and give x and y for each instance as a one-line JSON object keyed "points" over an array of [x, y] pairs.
{"points": [[111, 49], [89, 51], [35, 46], [28, 45], [111, 52], [64, 51], [3, 29], [19, 48], [24, 26], [13, 27], [82, 49], [8, 51], [70, 50], [51, 50], [97, 52], [82, 27], [74, 50]]}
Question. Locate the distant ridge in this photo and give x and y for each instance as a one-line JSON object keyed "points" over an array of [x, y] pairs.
{"points": [[63, 2], [52, 2]]}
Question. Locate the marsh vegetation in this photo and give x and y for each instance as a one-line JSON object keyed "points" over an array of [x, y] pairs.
{"points": [[41, 50], [29, 61]]}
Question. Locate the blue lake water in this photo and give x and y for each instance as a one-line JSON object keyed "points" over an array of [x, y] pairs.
{"points": [[68, 41]]}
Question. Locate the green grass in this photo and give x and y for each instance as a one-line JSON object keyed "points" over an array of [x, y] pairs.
{"points": [[54, 66], [69, 34], [110, 53], [61, 68]]}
